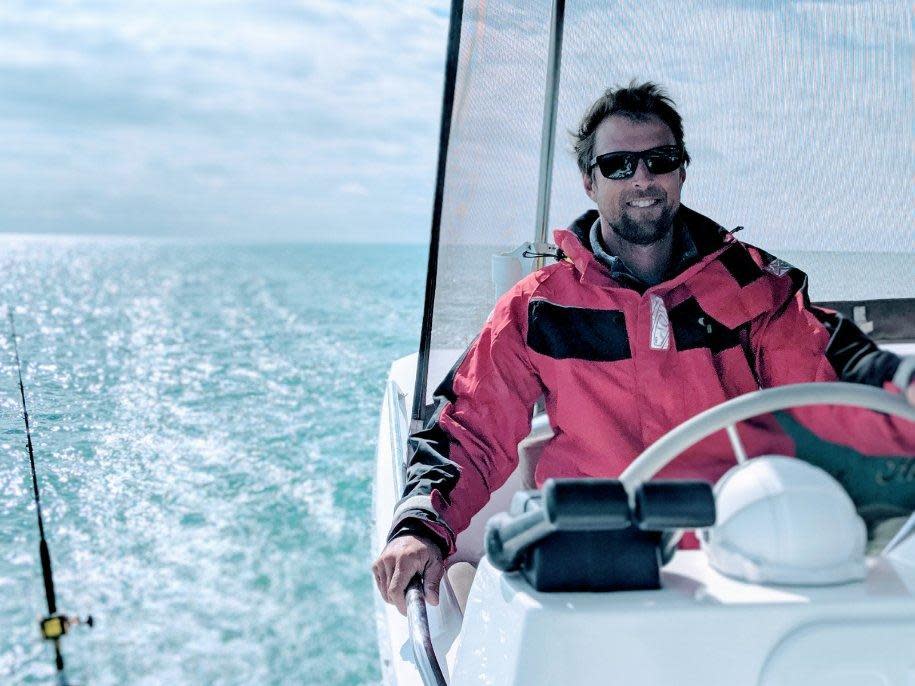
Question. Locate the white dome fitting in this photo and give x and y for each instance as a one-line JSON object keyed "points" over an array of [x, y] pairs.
{"points": [[783, 521]]}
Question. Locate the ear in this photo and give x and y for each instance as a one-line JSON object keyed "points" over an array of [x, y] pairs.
{"points": [[588, 182], [682, 174]]}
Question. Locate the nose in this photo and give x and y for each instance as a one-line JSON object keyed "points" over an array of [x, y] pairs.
{"points": [[642, 176]]}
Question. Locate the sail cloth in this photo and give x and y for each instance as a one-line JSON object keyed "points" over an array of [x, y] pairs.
{"points": [[798, 119]]}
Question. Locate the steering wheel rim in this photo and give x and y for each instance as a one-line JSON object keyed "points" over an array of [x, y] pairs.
{"points": [[721, 417]]}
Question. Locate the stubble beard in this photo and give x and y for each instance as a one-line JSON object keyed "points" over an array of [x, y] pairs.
{"points": [[644, 232]]}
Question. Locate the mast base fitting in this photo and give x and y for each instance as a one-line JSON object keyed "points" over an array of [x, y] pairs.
{"points": [[55, 626]]}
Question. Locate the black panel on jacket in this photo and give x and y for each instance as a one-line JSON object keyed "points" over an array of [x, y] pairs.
{"points": [[576, 332], [854, 357], [799, 284], [430, 468], [693, 328], [740, 265]]}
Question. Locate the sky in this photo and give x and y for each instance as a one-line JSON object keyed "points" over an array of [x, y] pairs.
{"points": [[267, 120], [317, 120]]}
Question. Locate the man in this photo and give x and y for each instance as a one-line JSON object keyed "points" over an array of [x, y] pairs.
{"points": [[655, 314]]}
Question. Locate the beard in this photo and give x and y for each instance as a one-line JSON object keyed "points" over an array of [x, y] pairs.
{"points": [[643, 231]]}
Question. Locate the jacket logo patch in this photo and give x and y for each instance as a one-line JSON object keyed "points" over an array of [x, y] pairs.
{"points": [[578, 333], [660, 325], [778, 267]]}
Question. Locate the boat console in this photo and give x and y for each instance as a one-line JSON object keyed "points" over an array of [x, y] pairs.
{"points": [[701, 627], [586, 535]]}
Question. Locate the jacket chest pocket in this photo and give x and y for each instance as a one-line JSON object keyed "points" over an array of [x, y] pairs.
{"points": [[561, 332]]}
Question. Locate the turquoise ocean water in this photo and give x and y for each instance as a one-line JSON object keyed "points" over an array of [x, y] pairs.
{"points": [[204, 419]]}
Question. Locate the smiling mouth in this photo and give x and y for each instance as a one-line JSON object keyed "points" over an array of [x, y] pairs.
{"points": [[643, 202]]}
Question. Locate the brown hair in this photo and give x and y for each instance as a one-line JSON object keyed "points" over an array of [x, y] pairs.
{"points": [[636, 101]]}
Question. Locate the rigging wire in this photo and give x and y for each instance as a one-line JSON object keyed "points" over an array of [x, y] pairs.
{"points": [[54, 625]]}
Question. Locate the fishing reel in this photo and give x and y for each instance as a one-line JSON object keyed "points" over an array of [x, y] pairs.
{"points": [[53, 628], [56, 625]]}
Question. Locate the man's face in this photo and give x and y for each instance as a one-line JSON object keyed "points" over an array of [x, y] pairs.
{"points": [[615, 198]]}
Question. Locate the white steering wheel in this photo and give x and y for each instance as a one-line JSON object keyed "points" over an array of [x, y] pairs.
{"points": [[727, 414]]}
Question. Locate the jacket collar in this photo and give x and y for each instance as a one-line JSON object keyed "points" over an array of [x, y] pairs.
{"points": [[701, 238]]}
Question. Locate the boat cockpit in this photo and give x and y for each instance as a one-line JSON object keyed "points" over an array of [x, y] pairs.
{"points": [[783, 587]]}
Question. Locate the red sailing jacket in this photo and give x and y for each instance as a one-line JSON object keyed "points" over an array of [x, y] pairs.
{"points": [[619, 366]]}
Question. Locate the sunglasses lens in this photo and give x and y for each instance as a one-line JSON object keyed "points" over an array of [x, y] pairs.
{"points": [[617, 165], [662, 161], [622, 165]]}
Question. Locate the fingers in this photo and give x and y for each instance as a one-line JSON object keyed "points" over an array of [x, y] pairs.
{"points": [[382, 577], [432, 577], [398, 587], [400, 561]]}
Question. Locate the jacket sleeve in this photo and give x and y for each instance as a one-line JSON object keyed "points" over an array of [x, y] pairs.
{"points": [[469, 447], [799, 342]]}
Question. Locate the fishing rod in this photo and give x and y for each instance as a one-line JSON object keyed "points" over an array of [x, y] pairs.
{"points": [[55, 625]]}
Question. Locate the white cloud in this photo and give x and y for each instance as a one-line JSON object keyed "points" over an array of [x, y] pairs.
{"points": [[269, 117]]}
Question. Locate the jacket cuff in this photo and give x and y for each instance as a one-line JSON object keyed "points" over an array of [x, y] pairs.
{"points": [[423, 524]]}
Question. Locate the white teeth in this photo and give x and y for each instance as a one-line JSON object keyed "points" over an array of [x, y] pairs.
{"points": [[642, 203]]}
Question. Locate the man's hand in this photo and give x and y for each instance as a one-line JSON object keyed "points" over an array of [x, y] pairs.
{"points": [[400, 561], [910, 394]]}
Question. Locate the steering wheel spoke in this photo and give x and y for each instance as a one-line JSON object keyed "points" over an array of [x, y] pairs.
{"points": [[739, 451]]}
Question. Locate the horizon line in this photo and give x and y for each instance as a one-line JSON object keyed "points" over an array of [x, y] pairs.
{"points": [[229, 240]]}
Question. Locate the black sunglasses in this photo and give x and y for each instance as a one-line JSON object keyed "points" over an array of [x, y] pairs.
{"points": [[622, 165]]}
